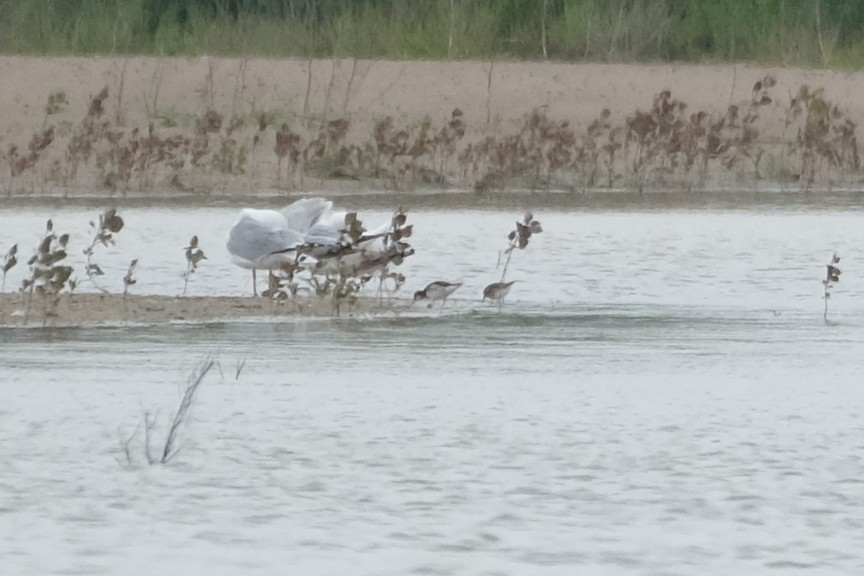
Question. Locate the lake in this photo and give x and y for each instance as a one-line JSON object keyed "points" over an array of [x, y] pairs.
{"points": [[658, 395]]}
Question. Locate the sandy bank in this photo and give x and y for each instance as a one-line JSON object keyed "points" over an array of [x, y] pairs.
{"points": [[174, 126], [115, 309]]}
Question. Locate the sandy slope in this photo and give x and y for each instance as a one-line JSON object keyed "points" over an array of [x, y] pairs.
{"points": [[170, 93], [143, 88]]}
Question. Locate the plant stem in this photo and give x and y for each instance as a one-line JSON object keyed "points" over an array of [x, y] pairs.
{"points": [[507, 262], [169, 451]]}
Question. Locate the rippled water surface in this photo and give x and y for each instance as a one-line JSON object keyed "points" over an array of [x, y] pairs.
{"points": [[660, 395]]}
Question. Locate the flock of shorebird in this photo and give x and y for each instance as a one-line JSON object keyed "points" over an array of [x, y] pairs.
{"points": [[311, 234]]}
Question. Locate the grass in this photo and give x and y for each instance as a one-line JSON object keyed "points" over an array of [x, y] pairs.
{"points": [[825, 33]]}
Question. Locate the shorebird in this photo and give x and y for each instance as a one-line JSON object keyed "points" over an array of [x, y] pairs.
{"points": [[265, 239], [437, 290], [497, 291], [311, 234]]}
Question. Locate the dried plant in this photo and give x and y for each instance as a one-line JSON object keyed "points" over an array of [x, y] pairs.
{"points": [[56, 103], [395, 250], [832, 276], [91, 129], [110, 223], [171, 446], [9, 262], [519, 237], [664, 143], [48, 277], [231, 156], [341, 271], [129, 279], [19, 163], [135, 154], [825, 137], [327, 144], [194, 255], [288, 145]]}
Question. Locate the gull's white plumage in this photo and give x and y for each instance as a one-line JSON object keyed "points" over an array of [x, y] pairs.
{"points": [[262, 239], [303, 214], [266, 239], [257, 234]]}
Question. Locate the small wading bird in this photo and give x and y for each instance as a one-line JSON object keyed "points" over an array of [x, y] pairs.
{"points": [[437, 290], [498, 291]]}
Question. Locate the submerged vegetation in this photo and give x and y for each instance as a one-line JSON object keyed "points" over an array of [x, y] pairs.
{"points": [[802, 32]]}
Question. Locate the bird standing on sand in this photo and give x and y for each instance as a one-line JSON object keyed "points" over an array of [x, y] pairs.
{"points": [[497, 291], [437, 290], [259, 238]]}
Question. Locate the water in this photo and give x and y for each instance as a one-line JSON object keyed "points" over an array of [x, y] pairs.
{"points": [[659, 396]]}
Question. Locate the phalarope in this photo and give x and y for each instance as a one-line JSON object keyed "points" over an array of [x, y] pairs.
{"points": [[438, 290]]}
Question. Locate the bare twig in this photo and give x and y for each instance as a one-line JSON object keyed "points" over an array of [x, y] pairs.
{"points": [[9, 262], [832, 276], [489, 92], [170, 450], [126, 445], [149, 425], [128, 279], [193, 256], [308, 88]]}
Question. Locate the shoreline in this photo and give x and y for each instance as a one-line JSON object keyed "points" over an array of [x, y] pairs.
{"points": [[86, 310], [434, 199]]}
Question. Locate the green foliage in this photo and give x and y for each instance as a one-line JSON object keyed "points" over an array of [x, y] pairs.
{"points": [[804, 32]]}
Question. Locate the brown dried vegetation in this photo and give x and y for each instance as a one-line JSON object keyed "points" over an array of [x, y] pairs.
{"points": [[666, 145]]}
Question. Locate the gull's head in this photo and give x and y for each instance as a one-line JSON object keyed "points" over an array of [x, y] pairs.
{"points": [[420, 295]]}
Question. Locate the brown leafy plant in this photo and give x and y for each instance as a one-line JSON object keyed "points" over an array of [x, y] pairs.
{"points": [[825, 137], [394, 253], [194, 255], [129, 279], [19, 163], [48, 277], [340, 272], [9, 262], [109, 225], [832, 276], [519, 237], [288, 145]]}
